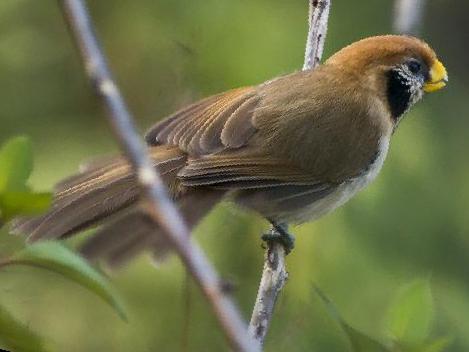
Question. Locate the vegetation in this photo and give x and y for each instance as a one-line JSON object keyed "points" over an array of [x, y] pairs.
{"points": [[410, 226]]}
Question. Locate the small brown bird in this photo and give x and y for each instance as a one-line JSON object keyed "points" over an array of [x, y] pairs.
{"points": [[292, 149]]}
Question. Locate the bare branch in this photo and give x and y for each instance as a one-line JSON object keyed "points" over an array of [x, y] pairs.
{"points": [[274, 275], [158, 205], [273, 279], [318, 18], [408, 15]]}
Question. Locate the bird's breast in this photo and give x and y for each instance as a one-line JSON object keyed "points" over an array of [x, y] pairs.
{"points": [[343, 192]]}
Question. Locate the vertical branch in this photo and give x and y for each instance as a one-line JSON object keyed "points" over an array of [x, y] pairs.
{"points": [[274, 274], [318, 18], [274, 277], [157, 202], [408, 15]]}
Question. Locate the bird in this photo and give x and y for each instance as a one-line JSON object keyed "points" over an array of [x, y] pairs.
{"points": [[291, 149]]}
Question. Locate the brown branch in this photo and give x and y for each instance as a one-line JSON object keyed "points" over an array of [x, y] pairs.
{"points": [[408, 15], [274, 275], [158, 205]]}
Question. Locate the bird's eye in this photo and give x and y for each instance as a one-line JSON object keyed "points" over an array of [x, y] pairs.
{"points": [[414, 66]]}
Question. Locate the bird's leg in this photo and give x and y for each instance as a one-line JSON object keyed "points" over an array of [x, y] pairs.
{"points": [[279, 233]]}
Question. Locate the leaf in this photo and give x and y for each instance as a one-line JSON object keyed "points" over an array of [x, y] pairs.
{"points": [[359, 341], [55, 257], [23, 203], [16, 164], [411, 314], [17, 337], [437, 345]]}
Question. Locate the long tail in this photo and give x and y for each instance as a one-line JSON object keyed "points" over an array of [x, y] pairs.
{"points": [[106, 194]]}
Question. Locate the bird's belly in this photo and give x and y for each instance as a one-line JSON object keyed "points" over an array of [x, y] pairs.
{"points": [[323, 206], [341, 194]]}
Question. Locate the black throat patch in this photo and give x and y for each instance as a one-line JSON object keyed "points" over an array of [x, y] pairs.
{"points": [[399, 94]]}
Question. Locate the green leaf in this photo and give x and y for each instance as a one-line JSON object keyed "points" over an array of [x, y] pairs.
{"points": [[359, 341], [23, 203], [16, 164], [437, 345], [55, 257], [411, 314], [17, 337]]}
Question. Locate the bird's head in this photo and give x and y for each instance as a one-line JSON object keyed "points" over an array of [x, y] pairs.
{"points": [[398, 68]]}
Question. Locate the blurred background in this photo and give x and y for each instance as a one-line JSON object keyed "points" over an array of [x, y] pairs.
{"points": [[411, 223]]}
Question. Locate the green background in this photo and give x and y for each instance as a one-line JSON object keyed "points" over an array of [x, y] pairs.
{"points": [[411, 223]]}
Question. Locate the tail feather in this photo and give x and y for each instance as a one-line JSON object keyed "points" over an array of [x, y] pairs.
{"points": [[106, 193], [112, 237], [99, 173], [82, 212], [91, 172], [92, 196], [135, 232], [135, 246]]}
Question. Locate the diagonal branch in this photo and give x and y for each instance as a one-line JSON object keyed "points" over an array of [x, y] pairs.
{"points": [[274, 274], [158, 205]]}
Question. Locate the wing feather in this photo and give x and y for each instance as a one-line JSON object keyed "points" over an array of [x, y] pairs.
{"points": [[242, 172], [238, 139], [200, 128], [239, 126], [209, 138], [158, 134]]}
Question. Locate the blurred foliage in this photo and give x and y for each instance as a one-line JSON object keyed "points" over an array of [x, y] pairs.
{"points": [[411, 315], [409, 321], [16, 198], [359, 341], [411, 223], [55, 257], [18, 337]]}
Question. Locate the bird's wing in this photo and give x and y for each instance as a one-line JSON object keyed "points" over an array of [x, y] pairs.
{"points": [[211, 125], [237, 170], [290, 131], [216, 133]]}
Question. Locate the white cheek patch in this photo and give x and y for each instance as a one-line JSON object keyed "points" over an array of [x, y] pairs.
{"points": [[413, 83]]}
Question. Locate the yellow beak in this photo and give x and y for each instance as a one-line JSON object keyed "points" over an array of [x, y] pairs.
{"points": [[438, 77]]}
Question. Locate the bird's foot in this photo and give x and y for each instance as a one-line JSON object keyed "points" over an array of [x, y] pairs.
{"points": [[279, 233]]}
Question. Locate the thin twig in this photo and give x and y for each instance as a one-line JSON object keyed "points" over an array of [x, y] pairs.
{"points": [[274, 277], [318, 18], [274, 274], [158, 204], [408, 15]]}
